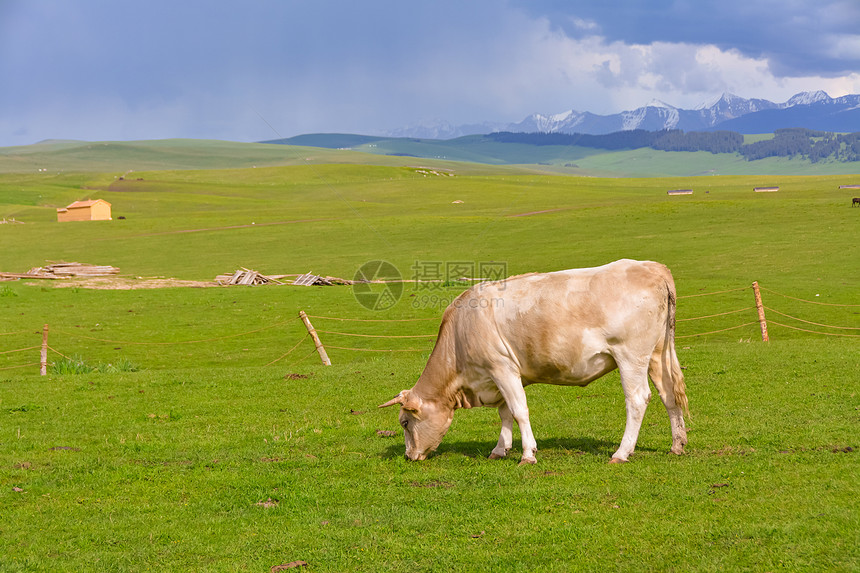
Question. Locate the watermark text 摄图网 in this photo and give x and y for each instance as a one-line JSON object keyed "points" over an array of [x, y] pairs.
{"points": [[379, 285], [439, 275]]}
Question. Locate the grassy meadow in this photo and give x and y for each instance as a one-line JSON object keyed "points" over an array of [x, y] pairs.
{"points": [[207, 436]]}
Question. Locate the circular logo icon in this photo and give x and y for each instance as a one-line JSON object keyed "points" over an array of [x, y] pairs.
{"points": [[378, 285]]}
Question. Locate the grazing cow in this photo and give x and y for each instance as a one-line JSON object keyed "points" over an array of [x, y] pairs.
{"points": [[566, 328], [855, 201]]}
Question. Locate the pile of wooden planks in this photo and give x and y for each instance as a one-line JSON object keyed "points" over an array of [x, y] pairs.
{"points": [[63, 270], [245, 276], [310, 279]]}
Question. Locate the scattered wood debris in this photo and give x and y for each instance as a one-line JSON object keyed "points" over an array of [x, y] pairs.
{"points": [[11, 221], [245, 276], [310, 279], [63, 270]]}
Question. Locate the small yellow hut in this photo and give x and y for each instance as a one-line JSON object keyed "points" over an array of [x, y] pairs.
{"points": [[89, 210]]}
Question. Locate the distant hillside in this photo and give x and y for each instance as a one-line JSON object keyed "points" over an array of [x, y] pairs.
{"points": [[167, 154], [623, 154], [569, 150], [833, 117]]}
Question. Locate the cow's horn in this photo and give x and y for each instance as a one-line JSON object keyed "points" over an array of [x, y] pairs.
{"points": [[396, 400]]}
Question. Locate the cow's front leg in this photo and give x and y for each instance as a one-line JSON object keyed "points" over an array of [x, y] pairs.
{"points": [[511, 387], [506, 436]]}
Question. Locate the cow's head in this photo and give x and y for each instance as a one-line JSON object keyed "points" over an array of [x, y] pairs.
{"points": [[424, 423]]}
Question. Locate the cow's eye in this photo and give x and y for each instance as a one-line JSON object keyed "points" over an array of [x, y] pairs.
{"points": [[405, 424]]}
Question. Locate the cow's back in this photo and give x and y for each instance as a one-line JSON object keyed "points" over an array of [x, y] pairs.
{"points": [[566, 327]]}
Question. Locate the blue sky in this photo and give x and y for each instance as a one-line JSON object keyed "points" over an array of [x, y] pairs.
{"points": [[121, 70]]}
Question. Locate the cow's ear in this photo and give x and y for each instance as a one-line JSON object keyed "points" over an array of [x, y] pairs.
{"points": [[396, 400]]}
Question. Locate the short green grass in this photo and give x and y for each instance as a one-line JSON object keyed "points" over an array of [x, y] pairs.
{"points": [[232, 469], [231, 448]]}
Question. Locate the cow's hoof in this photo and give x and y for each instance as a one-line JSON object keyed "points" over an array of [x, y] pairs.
{"points": [[527, 461], [678, 450], [495, 456], [617, 461]]}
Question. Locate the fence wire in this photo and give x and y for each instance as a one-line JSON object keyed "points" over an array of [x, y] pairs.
{"points": [[767, 308], [810, 301], [380, 321]]}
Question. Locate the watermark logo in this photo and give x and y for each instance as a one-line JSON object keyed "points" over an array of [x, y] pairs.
{"points": [[440, 275], [378, 285]]}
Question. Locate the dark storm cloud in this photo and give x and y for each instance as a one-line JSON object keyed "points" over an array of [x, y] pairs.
{"points": [[798, 38], [116, 69]]}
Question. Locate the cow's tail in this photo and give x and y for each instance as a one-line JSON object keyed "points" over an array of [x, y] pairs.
{"points": [[679, 387]]}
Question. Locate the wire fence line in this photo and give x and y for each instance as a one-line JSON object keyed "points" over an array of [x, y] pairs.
{"points": [[715, 315], [372, 319], [378, 337], [14, 333], [21, 366], [716, 331], [215, 339], [744, 324], [810, 322], [712, 293], [815, 331], [290, 351], [19, 350], [378, 349], [811, 301], [45, 347]]}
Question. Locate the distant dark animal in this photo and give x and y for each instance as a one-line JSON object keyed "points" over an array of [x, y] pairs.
{"points": [[855, 201]]}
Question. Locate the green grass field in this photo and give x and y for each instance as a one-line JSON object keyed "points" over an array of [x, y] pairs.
{"points": [[210, 437]]}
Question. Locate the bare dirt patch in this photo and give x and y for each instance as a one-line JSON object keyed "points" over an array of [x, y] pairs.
{"points": [[129, 283]]}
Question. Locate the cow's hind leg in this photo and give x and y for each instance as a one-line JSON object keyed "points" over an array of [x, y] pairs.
{"points": [[506, 437], [663, 376], [637, 394]]}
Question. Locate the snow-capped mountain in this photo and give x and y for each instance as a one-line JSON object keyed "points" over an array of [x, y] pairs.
{"points": [[807, 98], [729, 106], [813, 110]]}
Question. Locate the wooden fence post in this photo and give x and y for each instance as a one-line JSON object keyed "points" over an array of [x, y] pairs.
{"points": [[43, 355], [760, 308], [316, 339]]}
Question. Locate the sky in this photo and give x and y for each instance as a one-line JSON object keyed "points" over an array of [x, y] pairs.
{"points": [[105, 70]]}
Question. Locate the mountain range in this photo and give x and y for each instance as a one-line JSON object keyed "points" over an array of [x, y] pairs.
{"points": [[812, 110]]}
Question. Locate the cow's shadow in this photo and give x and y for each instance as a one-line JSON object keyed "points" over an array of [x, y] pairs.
{"points": [[576, 446]]}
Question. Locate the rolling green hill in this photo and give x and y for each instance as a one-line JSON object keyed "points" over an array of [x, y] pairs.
{"points": [[466, 153]]}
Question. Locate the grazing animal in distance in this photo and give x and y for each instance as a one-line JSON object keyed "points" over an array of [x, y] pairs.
{"points": [[565, 328], [855, 201]]}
